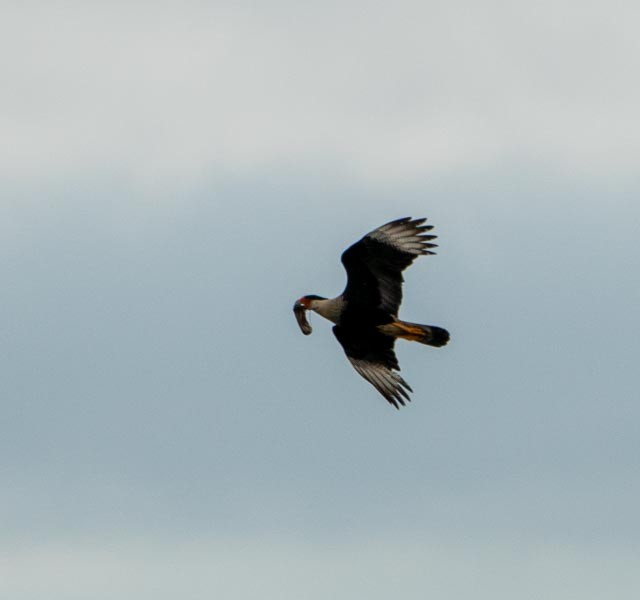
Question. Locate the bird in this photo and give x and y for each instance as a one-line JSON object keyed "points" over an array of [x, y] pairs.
{"points": [[365, 315]]}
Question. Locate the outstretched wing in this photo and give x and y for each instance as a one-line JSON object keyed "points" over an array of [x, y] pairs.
{"points": [[374, 264], [372, 356]]}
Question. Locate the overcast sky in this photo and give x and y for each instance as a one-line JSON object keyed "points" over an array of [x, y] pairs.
{"points": [[173, 176]]}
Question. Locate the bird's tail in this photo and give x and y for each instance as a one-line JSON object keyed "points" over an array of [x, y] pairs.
{"points": [[425, 334]]}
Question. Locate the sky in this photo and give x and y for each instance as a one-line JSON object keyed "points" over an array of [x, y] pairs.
{"points": [[174, 176]]}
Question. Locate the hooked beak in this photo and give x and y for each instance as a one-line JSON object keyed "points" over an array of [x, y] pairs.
{"points": [[300, 312]]}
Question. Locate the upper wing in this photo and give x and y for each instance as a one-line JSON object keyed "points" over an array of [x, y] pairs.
{"points": [[372, 356], [374, 264]]}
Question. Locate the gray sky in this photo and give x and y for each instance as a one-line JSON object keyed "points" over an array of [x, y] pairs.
{"points": [[173, 177]]}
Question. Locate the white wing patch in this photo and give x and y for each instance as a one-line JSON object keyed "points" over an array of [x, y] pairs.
{"points": [[406, 235], [387, 382]]}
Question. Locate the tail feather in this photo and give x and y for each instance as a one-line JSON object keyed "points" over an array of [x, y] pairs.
{"points": [[414, 332]]}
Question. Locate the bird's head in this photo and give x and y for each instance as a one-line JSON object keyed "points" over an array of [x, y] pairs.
{"points": [[300, 309]]}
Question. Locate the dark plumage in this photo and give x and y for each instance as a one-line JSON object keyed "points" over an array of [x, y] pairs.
{"points": [[366, 313]]}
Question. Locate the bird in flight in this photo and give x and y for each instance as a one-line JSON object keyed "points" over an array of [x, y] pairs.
{"points": [[365, 315]]}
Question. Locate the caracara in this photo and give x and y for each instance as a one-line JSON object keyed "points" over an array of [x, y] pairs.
{"points": [[366, 313]]}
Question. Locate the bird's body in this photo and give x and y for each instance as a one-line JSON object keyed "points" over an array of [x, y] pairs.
{"points": [[365, 315]]}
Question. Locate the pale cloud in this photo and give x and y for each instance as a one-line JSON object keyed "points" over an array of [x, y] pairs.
{"points": [[274, 567], [387, 93]]}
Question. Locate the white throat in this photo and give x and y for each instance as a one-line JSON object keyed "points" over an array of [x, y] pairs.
{"points": [[330, 308]]}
